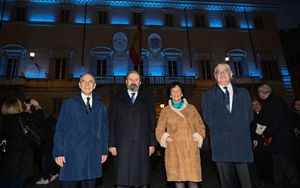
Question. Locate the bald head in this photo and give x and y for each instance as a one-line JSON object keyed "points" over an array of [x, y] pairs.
{"points": [[87, 83]]}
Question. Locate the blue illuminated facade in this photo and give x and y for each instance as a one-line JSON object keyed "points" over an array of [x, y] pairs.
{"points": [[120, 19]]}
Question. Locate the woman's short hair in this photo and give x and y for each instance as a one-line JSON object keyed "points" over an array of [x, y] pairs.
{"points": [[172, 85], [12, 106]]}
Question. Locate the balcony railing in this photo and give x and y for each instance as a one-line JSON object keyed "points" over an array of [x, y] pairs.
{"points": [[152, 80]]}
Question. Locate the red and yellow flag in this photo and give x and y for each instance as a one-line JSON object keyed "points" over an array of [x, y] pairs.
{"points": [[136, 46]]}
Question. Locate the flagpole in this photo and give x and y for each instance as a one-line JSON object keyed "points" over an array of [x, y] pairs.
{"points": [[2, 13], [84, 35], [188, 38], [250, 38]]}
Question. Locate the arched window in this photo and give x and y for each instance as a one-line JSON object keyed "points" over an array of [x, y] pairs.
{"points": [[11, 58]]}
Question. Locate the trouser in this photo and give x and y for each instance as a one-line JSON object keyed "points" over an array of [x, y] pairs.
{"points": [[234, 175], [81, 184]]}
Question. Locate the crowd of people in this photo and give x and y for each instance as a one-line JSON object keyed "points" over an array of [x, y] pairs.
{"points": [[26, 133], [252, 143]]}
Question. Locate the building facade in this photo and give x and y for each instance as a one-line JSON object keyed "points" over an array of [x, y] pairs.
{"points": [[49, 42]]}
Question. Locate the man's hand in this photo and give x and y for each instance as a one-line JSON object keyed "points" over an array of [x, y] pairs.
{"points": [[113, 151], [103, 158], [151, 150], [255, 143], [60, 161]]}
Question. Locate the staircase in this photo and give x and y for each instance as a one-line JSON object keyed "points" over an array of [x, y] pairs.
{"points": [[287, 83]]}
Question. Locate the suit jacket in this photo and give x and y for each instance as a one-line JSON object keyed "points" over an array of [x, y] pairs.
{"points": [[131, 131], [229, 131], [82, 137]]}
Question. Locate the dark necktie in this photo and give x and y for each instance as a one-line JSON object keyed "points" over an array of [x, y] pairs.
{"points": [[88, 104], [132, 97], [227, 101]]}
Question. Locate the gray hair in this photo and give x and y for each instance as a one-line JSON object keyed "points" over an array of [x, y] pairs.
{"points": [[227, 67]]}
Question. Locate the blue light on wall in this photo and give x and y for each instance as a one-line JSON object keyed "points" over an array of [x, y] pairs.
{"points": [[77, 73], [153, 22], [244, 25], [120, 72], [80, 20], [256, 73], [6, 17], [156, 71], [118, 20], [215, 23], [189, 23], [244, 8], [49, 18], [190, 72], [214, 8], [35, 74]]}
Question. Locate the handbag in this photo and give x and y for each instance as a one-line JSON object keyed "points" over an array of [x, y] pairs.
{"points": [[29, 133]]}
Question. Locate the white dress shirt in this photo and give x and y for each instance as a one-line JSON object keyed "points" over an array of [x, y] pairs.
{"points": [[84, 98], [230, 90], [130, 94]]}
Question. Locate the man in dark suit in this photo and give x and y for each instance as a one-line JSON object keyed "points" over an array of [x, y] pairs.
{"points": [[227, 112], [81, 137], [131, 133]]}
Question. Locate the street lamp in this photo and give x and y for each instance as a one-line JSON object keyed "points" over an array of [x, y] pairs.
{"points": [[32, 55], [227, 59]]}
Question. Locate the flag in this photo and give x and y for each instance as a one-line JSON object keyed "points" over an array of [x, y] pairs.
{"points": [[136, 46]]}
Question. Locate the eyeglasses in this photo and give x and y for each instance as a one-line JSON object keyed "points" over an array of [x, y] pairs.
{"points": [[89, 82], [221, 72]]}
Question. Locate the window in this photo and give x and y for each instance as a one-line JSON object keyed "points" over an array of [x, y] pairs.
{"points": [[60, 68], [20, 14], [12, 69], [64, 16], [238, 68], [137, 18], [169, 20], [230, 21], [205, 70], [101, 68], [172, 68], [200, 20], [102, 15], [258, 22]]}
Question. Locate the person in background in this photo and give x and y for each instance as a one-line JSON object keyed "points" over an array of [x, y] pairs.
{"points": [[17, 164], [275, 126], [47, 166]]}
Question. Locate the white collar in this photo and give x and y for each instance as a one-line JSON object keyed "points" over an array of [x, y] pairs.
{"points": [[84, 98], [129, 92], [229, 87]]}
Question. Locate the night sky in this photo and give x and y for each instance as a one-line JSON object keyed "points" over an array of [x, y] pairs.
{"points": [[289, 14]]}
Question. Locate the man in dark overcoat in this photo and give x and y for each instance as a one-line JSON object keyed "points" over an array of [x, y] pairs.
{"points": [[275, 115], [227, 112], [131, 133], [81, 137]]}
